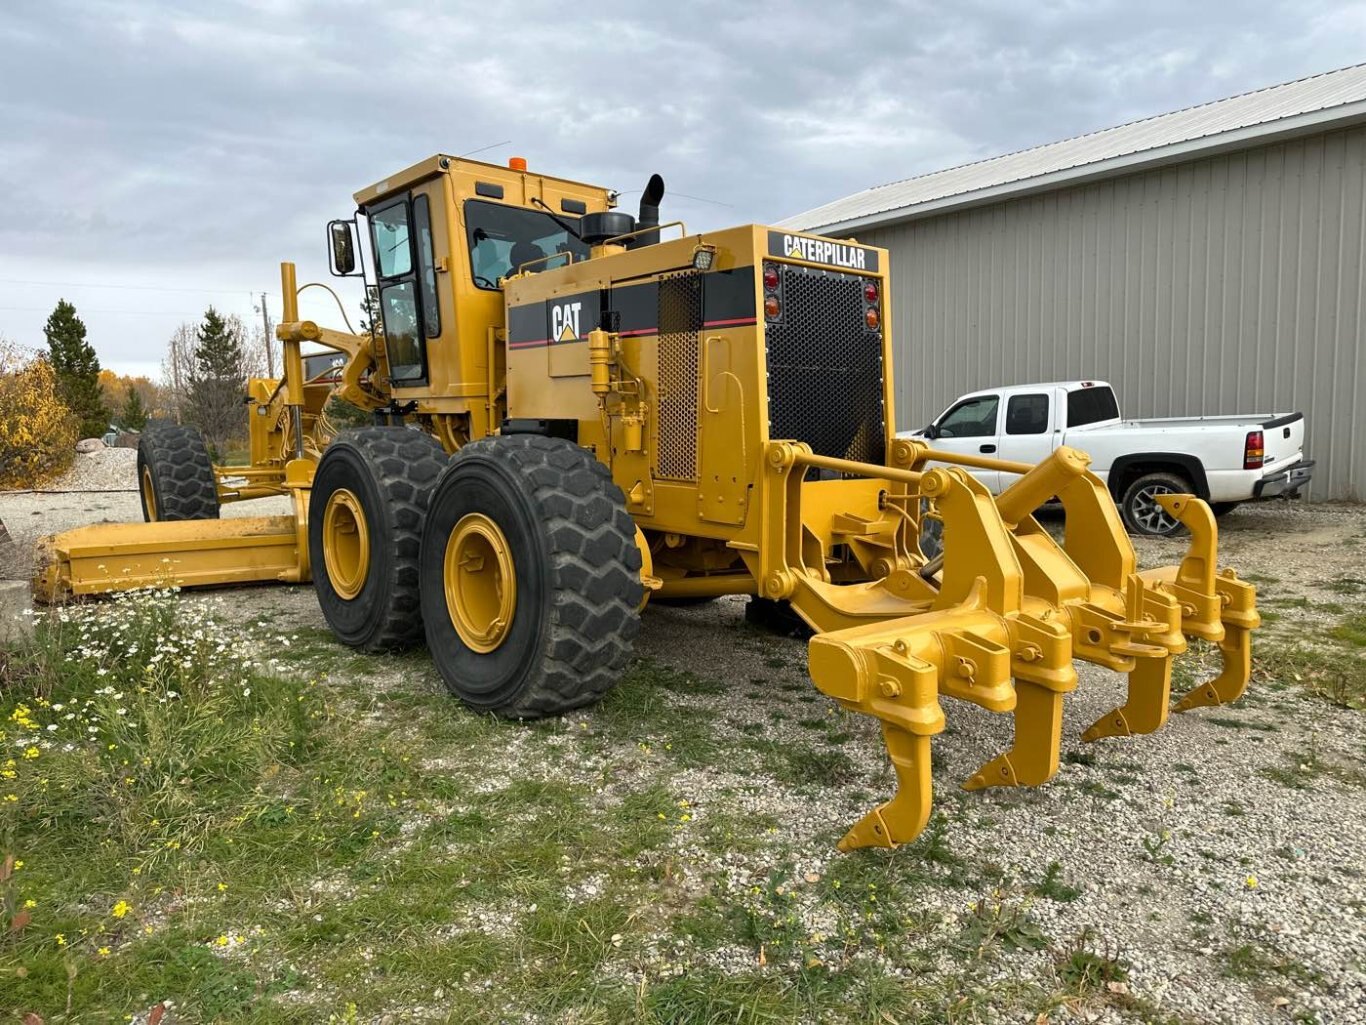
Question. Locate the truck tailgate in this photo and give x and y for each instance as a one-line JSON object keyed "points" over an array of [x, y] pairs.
{"points": [[1283, 438]]}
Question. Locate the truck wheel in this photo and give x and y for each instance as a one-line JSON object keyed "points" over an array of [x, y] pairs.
{"points": [[1142, 515], [530, 577], [1222, 509], [365, 516], [175, 475]]}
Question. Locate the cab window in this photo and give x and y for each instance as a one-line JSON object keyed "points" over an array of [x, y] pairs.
{"points": [[1027, 414], [426, 263], [392, 238], [1091, 405], [504, 238], [393, 254], [971, 418]]}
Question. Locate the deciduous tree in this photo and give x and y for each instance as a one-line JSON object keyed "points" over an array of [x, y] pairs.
{"points": [[37, 431]]}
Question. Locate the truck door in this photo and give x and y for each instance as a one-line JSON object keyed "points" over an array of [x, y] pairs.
{"points": [[1028, 434], [971, 427]]}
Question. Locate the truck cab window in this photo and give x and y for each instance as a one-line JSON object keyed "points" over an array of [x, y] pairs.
{"points": [[504, 238], [1091, 405], [1027, 414], [971, 418]]}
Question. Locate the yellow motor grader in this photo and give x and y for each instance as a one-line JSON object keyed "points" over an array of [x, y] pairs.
{"points": [[578, 412]]}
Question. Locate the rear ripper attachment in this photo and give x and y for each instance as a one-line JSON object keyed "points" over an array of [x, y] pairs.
{"points": [[999, 618]]}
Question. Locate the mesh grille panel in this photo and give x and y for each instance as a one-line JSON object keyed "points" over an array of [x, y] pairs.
{"points": [[680, 326], [825, 367]]}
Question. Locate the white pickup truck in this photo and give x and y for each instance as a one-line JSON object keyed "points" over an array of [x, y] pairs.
{"points": [[1225, 460]]}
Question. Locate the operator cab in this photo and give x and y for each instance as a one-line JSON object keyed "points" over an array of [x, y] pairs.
{"points": [[445, 235]]}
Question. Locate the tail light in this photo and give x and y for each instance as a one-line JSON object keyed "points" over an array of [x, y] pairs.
{"points": [[872, 313], [1254, 451], [770, 277], [772, 307]]}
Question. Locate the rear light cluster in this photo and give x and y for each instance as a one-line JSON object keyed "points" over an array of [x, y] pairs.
{"points": [[773, 298], [872, 313], [1254, 451], [773, 302]]}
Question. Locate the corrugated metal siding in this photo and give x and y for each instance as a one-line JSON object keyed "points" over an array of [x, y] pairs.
{"points": [[1227, 285]]}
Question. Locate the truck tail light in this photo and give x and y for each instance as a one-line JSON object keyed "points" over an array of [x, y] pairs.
{"points": [[1254, 451]]}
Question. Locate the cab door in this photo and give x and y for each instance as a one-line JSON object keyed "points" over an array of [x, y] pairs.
{"points": [[405, 271], [971, 427], [1030, 430]]}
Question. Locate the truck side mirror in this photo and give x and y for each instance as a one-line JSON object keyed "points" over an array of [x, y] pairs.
{"points": [[931, 432], [343, 249]]}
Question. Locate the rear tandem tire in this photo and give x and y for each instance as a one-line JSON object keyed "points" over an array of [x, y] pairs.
{"points": [[530, 547], [175, 474], [1141, 513], [371, 489]]}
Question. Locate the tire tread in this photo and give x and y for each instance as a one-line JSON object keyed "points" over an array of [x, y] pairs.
{"points": [[182, 472], [406, 464], [594, 566]]}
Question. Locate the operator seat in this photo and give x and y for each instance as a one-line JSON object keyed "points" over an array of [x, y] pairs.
{"points": [[526, 252]]}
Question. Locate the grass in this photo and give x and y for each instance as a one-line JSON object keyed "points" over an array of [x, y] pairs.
{"points": [[1301, 768], [1330, 667], [1351, 630], [272, 832]]}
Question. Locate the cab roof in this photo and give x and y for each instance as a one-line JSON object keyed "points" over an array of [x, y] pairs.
{"points": [[442, 163], [1019, 389]]}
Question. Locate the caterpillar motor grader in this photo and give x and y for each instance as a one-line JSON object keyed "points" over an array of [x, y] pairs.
{"points": [[578, 412]]}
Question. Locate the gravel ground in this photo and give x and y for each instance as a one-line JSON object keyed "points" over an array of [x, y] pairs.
{"points": [[105, 469], [1223, 858]]}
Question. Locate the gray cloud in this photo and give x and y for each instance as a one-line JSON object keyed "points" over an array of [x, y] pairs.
{"points": [[189, 146]]}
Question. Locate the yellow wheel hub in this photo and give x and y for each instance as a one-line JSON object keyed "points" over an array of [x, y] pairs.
{"points": [[481, 583], [346, 544], [149, 495]]}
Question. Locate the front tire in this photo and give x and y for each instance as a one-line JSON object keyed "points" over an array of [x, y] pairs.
{"points": [[365, 519], [530, 577], [175, 475], [1139, 508]]}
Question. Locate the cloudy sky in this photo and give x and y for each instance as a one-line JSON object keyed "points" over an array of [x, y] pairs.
{"points": [[158, 157]]}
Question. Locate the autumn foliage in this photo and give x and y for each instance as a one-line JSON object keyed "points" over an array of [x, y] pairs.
{"points": [[37, 430]]}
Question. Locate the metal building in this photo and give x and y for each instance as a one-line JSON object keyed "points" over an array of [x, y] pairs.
{"points": [[1211, 260]]}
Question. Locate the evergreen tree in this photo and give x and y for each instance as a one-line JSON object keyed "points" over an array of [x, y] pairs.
{"points": [[370, 322], [77, 368], [217, 381], [134, 412]]}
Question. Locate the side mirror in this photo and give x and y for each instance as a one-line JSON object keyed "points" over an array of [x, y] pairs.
{"points": [[343, 249], [931, 432]]}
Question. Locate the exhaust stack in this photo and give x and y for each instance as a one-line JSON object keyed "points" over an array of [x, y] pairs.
{"points": [[649, 212]]}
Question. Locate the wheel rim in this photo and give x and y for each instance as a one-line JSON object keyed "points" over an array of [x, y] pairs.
{"points": [[1151, 516], [149, 495], [481, 584], [346, 543]]}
